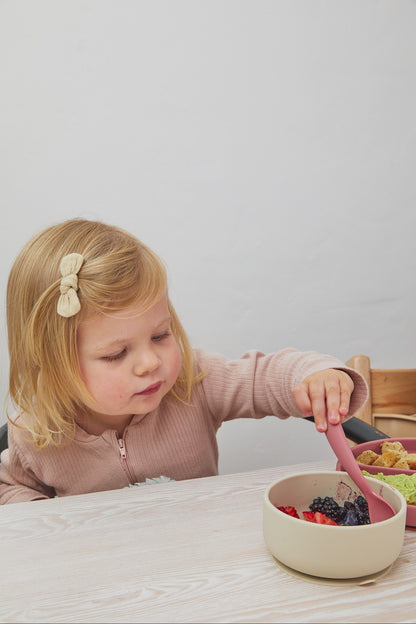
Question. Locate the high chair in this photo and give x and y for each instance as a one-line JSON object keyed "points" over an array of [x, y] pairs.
{"points": [[391, 406], [3, 437]]}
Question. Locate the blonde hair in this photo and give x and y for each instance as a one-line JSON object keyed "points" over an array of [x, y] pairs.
{"points": [[118, 270]]}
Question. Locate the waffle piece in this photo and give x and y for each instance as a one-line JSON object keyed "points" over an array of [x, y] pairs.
{"points": [[367, 457], [411, 460], [387, 459], [401, 464], [393, 446]]}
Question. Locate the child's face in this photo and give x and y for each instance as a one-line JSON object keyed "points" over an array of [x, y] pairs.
{"points": [[129, 361]]}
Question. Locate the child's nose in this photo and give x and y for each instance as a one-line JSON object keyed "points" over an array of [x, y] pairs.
{"points": [[148, 362]]}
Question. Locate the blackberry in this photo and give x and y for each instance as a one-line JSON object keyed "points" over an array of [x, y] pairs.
{"points": [[341, 515], [327, 506], [361, 504], [351, 518], [350, 514], [355, 512]]}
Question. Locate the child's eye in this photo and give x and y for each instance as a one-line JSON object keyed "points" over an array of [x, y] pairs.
{"points": [[160, 337], [116, 356]]}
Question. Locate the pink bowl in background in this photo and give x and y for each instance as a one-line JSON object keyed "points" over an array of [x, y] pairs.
{"points": [[375, 445]]}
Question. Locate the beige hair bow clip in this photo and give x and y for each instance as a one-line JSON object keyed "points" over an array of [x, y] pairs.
{"points": [[68, 303]]}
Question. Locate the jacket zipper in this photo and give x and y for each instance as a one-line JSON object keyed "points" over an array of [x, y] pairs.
{"points": [[122, 448], [123, 455]]}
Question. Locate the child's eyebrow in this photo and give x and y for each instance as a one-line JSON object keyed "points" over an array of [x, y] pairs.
{"points": [[163, 322], [121, 341], [108, 346]]}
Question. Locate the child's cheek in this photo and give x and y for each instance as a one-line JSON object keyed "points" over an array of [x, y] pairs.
{"points": [[107, 387]]}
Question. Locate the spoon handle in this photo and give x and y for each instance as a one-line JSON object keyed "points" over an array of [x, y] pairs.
{"points": [[339, 443], [378, 508]]}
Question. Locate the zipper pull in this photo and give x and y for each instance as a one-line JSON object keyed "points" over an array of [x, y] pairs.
{"points": [[122, 448]]}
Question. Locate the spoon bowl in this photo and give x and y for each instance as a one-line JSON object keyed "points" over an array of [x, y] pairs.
{"points": [[378, 508]]}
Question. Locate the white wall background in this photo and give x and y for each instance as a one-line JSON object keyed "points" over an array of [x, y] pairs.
{"points": [[264, 148]]}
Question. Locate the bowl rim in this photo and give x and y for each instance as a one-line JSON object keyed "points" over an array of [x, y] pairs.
{"points": [[377, 482]]}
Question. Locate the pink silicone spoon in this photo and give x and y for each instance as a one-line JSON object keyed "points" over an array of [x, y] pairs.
{"points": [[378, 508]]}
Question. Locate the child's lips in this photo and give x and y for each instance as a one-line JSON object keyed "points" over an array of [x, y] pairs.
{"points": [[150, 389]]}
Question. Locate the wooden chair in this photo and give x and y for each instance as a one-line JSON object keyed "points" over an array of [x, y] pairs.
{"points": [[391, 406]]}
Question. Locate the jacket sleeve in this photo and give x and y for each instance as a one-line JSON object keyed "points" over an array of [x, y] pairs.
{"points": [[18, 483], [258, 384]]}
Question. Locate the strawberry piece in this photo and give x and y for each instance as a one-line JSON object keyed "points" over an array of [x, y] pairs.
{"points": [[321, 518], [318, 517], [291, 511]]}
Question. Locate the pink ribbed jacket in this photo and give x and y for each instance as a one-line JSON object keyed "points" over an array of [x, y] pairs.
{"points": [[176, 440]]}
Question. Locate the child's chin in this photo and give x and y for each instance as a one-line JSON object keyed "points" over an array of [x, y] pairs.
{"points": [[147, 403]]}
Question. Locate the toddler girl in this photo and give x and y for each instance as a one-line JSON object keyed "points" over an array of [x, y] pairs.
{"points": [[108, 391]]}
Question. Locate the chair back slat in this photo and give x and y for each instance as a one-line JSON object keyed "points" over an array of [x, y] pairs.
{"points": [[391, 406], [393, 391]]}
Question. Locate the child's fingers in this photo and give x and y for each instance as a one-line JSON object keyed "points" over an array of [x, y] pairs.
{"points": [[301, 396], [326, 395], [347, 387], [317, 395], [342, 395], [310, 400], [333, 401]]}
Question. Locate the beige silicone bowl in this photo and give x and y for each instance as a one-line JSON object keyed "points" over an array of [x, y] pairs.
{"points": [[335, 552]]}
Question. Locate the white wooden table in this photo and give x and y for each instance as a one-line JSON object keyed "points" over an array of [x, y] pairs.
{"points": [[189, 551]]}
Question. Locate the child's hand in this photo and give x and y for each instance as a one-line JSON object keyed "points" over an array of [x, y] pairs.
{"points": [[325, 395]]}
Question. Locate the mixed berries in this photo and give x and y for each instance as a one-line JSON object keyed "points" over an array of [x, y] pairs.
{"points": [[328, 511]]}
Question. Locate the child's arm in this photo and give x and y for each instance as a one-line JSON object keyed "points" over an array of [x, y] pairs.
{"points": [[282, 384], [18, 483], [325, 395]]}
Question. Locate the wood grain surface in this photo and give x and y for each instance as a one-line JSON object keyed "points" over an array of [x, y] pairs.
{"points": [[189, 551]]}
